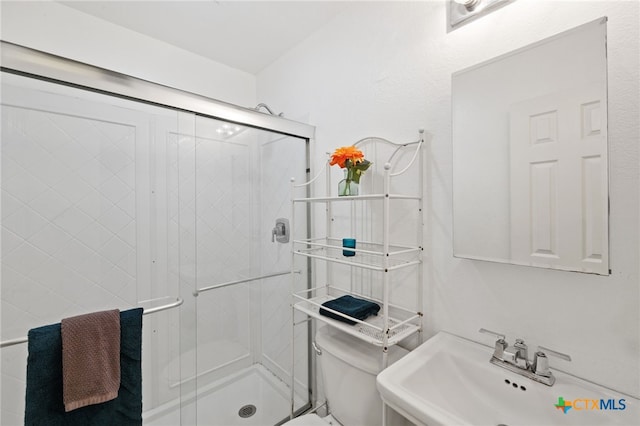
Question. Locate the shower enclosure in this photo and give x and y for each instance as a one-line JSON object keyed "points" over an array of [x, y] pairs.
{"points": [[119, 193]]}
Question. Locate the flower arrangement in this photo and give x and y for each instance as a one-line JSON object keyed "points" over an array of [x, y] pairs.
{"points": [[352, 160]]}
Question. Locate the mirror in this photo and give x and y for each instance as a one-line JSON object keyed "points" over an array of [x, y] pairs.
{"points": [[530, 175]]}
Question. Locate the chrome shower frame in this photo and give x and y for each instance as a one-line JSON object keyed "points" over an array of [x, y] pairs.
{"points": [[45, 66]]}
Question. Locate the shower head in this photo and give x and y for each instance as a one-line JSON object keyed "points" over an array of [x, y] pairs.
{"points": [[265, 106]]}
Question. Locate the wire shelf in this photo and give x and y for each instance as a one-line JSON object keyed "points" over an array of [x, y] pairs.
{"points": [[370, 330], [367, 197], [368, 255]]}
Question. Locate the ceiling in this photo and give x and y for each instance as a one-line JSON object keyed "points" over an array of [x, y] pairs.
{"points": [[247, 35]]}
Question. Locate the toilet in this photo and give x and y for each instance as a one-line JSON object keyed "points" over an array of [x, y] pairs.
{"points": [[349, 368]]}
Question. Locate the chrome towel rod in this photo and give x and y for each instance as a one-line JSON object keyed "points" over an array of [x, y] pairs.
{"points": [[245, 280], [175, 304]]}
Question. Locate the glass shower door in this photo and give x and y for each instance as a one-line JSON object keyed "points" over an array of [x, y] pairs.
{"points": [[109, 202], [82, 226], [243, 351]]}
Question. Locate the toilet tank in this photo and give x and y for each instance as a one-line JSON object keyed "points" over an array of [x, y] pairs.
{"points": [[349, 368]]}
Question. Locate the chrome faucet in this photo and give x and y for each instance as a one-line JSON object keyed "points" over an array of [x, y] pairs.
{"points": [[517, 354], [516, 359]]}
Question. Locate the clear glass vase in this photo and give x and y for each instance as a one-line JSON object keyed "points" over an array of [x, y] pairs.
{"points": [[347, 186]]}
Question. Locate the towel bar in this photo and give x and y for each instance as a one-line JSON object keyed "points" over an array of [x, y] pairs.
{"points": [[175, 304], [246, 280]]}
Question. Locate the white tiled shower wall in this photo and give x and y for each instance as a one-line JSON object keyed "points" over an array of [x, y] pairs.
{"points": [[54, 186]]}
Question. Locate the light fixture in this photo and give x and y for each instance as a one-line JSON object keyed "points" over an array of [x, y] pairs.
{"points": [[468, 4], [464, 11]]}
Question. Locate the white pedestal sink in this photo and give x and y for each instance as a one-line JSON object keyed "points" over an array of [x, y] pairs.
{"points": [[449, 381]]}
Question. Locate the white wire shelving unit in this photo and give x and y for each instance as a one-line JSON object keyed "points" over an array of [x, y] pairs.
{"points": [[382, 258]]}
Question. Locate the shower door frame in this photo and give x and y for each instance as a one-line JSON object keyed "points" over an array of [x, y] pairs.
{"points": [[27, 62]]}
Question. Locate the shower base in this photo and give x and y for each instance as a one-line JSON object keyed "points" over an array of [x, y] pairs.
{"points": [[229, 403]]}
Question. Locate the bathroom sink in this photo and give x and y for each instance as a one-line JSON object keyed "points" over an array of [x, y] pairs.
{"points": [[449, 381]]}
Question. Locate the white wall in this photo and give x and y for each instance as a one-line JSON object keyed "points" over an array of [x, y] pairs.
{"points": [[61, 30], [385, 69]]}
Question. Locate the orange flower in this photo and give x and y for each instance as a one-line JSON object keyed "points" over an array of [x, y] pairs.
{"points": [[342, 154]]}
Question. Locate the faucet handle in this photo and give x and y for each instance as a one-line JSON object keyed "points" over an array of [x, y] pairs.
{"points": [[501, 344], [554, 353], [540, 364]]}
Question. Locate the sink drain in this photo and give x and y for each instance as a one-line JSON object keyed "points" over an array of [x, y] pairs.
{"points": [[247, 411]]}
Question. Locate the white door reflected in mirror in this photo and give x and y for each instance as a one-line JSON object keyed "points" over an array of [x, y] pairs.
{"points": [[530, 155]]}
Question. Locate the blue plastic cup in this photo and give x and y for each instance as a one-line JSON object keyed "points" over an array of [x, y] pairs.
{"points": [[349, 243]]}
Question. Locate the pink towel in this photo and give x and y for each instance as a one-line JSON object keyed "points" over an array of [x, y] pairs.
{"points": [[90, 358]]}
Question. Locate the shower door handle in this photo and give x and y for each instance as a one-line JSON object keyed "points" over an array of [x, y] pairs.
{"points": [[280, 232]]}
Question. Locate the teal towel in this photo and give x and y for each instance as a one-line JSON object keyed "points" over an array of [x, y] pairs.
{"points": [[352, 306], [44, 406]]}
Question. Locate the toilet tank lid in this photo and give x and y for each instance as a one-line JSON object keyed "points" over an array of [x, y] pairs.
{"points": [[353, 351]]}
